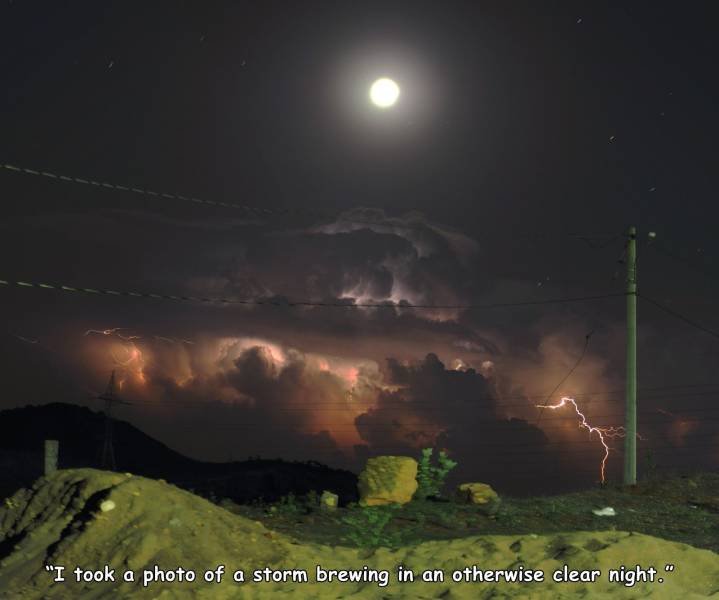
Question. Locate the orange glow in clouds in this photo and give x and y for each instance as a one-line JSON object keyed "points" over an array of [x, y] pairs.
{"points": [[332, 392], [126, 355], [680, 427]]}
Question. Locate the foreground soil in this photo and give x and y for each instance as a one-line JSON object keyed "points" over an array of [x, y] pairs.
{"points": [[91, 518]]}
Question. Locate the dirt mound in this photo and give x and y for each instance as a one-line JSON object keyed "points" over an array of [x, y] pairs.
{"points": [[92, 518]]}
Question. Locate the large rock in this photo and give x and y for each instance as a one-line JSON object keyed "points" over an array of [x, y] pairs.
{"points": [[480, 494], [328, 500], [60, 521], [388, 480]]}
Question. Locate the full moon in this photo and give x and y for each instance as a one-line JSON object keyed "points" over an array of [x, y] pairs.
{"points": [[384, 92]]}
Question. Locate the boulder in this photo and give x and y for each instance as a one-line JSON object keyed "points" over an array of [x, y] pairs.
{"points": [[480, 494], [388, 480], [328, 500]]}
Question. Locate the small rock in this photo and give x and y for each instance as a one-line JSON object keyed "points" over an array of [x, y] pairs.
{"points": [[480, 494], [107, 506], [607, 511]]}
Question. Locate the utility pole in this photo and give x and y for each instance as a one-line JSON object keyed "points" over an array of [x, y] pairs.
{"points": [[107, 460], [630, 413]]}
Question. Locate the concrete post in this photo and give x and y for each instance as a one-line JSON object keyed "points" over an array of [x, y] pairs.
{"points": [[51, 453]]}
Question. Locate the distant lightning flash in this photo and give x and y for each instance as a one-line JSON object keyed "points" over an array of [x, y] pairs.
{"points": [[113, 331], [602, 432], [134, 359], [134, 354], [129, 338]]}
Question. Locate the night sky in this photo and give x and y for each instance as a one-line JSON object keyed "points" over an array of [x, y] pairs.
{"points": [[527, 137]]}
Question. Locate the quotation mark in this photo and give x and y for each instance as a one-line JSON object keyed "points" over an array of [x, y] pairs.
{"points": [[668, 569], [58, 576]]}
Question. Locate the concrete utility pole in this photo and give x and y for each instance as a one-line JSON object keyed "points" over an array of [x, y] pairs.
{"points": [[52, 448], [107, 459], [630, 414]]}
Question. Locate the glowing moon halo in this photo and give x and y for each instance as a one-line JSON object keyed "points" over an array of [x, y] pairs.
{"points": [[384, 92]]}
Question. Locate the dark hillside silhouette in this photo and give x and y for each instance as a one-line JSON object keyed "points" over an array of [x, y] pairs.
{"points": [[80, 433]]}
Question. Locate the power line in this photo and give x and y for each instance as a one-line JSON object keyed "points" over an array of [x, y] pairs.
{"points": [[567, 376], [679, 316], [615, 392], [427, 405], [461, 421], [710, 441], [579, 446], [664, 249], [389, 222], [154, 194], [264, 212], [300, 303], [543, 395], [560, 420]]}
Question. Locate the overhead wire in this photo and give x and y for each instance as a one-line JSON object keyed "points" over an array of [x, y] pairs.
{"points": [[567, 376], [387, 222], [557, 422], [678, 315], [498, 404], [264, 212], [663, 248], [297, 303]]}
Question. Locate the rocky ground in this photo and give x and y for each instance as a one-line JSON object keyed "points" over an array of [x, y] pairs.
{"points": [[680, 508]]}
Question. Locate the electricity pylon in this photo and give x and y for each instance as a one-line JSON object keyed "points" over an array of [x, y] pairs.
{"points": [[107, 459]]}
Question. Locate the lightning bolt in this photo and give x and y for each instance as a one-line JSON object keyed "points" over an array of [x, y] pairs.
{"points": [[128, 338], [133, 351], [602, 432]]}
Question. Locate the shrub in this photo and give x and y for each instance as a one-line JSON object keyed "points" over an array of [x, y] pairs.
{"points": [[651, 466], [430, 478], [312, 500], [287, 506], [367, 526]]}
